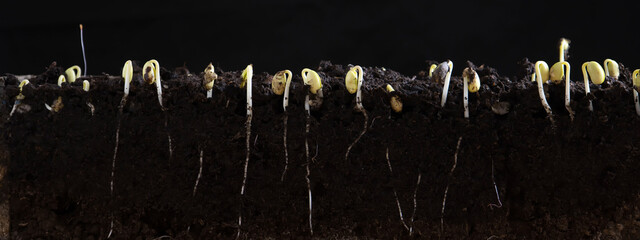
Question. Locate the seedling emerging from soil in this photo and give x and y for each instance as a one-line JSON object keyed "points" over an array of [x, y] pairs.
{"points": [[541, 75], [247, 76], [594, 70], [353, 82], [210, 77], [444, 70], [280, 84], [151, 74], [85, 86], [84, 57], [73, 73], [431, 69], [127, 75], [61, 79], [19, 98], [636, 88], [311, 78], [611, 68], [469, 75], [396, 102], [556, 75]]}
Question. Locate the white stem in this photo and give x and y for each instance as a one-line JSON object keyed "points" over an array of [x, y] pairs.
{"points": [[210, 93], [543, 98], [587, 89], [285, 99], [447, 79], [567, 89], [636, 99], [465, 98]]}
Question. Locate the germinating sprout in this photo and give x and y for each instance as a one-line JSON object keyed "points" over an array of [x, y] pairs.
{"points": [[85, 86], [431, 69], [469, 75], [396, 102], [556, 75], [353, 81], [611, 68], [19, 97], [151, 74], [636, 88], [541, 75], [127, 75], [445, 67], [313, 80], [594, 70], [73, 73], [61, 79], [56, 106], [209, 79], [280, 84], [247, 76]]}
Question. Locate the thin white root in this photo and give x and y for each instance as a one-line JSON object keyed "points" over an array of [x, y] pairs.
{"points": [[286, 152], [166, 127], [492, 205], [246, 167], [364, 130], [446, 190], [195, 187], [91, 107], [395, 194], [415, 203], [307, 176]]}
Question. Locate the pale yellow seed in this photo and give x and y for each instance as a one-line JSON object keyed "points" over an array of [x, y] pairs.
{"points": [[556, 74], [210, 77]]}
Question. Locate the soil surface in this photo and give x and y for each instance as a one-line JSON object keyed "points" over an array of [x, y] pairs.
{"points": [[570, 180]]}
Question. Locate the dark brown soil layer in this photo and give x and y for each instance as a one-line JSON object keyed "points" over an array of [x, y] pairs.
{"points": [[574, 180]]}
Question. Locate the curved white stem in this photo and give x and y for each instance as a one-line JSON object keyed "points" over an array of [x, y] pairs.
{"points": [[587, 89], [155, 69], [285, 100], [543, 98], [447, 79], [567, 89]]}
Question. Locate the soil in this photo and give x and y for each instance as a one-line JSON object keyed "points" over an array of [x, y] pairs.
{"points": [[571, 180]]}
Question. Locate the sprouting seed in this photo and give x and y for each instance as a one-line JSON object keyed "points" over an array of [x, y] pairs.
{"points": [[541, 75], [445, 67], [61, 79], [611, 68], [73, 73], [353, 81], [395, 102], [468, 75], [431, 69], [210, 77], [594, 70]]}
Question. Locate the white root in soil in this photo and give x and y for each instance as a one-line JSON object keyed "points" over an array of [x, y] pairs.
{"points": [[415, 203], [395, 194], [247, 75], [280, 84], [306, 149], [493, 179], [446, 190], [195, 186], [127, 75], [353, 81]]}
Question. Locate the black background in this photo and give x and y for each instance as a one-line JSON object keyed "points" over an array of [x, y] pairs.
{"points": [[275, 35]]}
